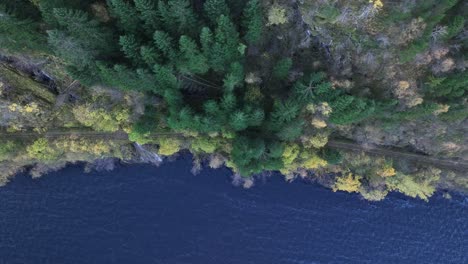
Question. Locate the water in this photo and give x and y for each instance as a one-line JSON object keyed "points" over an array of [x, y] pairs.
{"points": [[142, 214]]}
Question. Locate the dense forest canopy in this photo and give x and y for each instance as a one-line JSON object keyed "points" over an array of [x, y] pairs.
{"points": [[258, 85]]}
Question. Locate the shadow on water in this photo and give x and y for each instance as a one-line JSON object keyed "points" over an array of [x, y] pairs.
{"points": [[142, 214]]}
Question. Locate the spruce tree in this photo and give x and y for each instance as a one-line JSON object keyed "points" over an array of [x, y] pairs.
{"points": [[178, 17], [20, 35], [130, 47], [253, 22], [165, 45], [281, 69], [149, 14], [206, 40], [226, 44], [239, 121], [215, 8], [126, 14], [235, 77], [149, 55], [192, 60]]}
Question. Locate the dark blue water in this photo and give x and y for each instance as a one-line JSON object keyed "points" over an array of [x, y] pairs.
{"points": [[143, 214]]}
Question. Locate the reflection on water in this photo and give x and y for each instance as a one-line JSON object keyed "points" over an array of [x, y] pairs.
{"points": [[143, 214]]}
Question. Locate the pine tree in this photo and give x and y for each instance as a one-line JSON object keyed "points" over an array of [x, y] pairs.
{"points": [[253, 22], [149, 55], [226, 44], [192, 60], [228, 102], [281, 69], [130, 47], [178, 17], [126, 13], [70, 49], [149, 14], [285, 111], [206, 40], [235, 77], [165, 44], [291, 130], [166, 80], [84, 30], [239, 121], [256, 117], [215, 8], [20, 35]]}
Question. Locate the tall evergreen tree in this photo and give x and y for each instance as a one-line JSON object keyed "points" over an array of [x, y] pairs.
{"points": [[165, 44], [226, 43], [149, 14], [20, 35], [235, 77], [126, 14], [206, 40], [130, 47], [215, 8], [178, 17], [192, 60], [253, 22]]}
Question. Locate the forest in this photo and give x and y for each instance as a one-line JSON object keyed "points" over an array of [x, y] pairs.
{"points": [[258, 86]]}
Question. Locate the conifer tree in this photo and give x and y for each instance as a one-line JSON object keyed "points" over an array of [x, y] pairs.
{"points": [[86, 31], [192, 60], [126, 13], [20, 35], [235, 77], [149, 55], [253, 22], [165, 44], [239, 121], [206, 40], [226, 44], [215, 8], [281, 69], [178, 17], [149, 14], [130, 47], [166, 80]]}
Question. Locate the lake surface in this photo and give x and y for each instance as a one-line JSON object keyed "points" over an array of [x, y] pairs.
{"points": [[143, 214]]}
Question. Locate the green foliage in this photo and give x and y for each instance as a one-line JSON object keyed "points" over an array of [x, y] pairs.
{"points": [[420, 185], [235, 77], [42, 150], [246, 154], [19, 35], [214, 9], [165, 45], [225, 46], [450, 87], [281, 70], [253, 22], [205, 145], [178, 17], [130, 47], [192, 59], [126, 15], [8, 148], [331, 156], [149, 14], [124, 78], [455, 27], [100, 119]]}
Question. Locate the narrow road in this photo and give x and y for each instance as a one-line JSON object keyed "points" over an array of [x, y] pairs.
{"points": [[458, 165]]}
